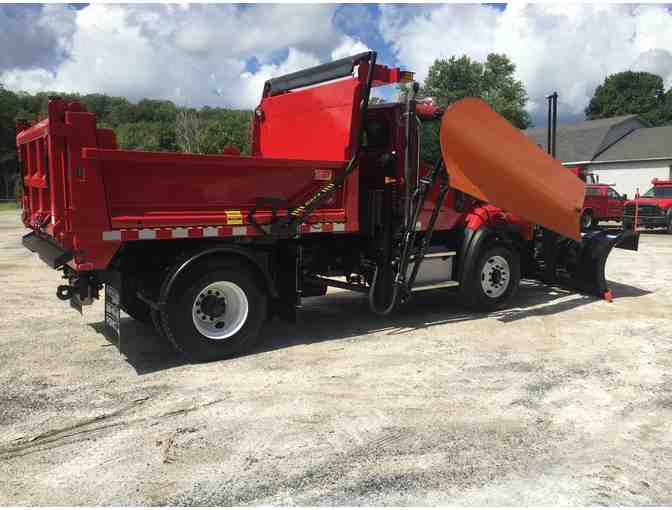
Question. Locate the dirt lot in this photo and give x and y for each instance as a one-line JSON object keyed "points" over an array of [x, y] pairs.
{"points": [[560, 399]]}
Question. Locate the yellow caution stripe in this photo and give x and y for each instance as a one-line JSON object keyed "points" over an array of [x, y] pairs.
{"points": [[234, 217]]}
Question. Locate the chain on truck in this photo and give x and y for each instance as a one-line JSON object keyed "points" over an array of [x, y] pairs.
{"points": [[335, 194]]}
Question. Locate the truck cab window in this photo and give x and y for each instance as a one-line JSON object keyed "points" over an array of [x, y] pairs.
{"points": [[376, 134]]}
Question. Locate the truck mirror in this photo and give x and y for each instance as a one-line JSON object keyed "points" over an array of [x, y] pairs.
{"points": [[625, 196]]}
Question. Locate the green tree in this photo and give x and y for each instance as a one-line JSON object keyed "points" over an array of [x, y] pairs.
{"points": [[147, 125], [147, 136], [233, 131], [459, 77], [493, 80], [9, 108], [631, 92]]}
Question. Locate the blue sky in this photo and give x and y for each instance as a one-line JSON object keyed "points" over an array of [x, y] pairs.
{"points": [[221, 54]]}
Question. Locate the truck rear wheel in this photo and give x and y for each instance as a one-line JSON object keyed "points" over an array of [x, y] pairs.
{"points": [[158, 324], [216, 311], [494, 280], [132, 304]]}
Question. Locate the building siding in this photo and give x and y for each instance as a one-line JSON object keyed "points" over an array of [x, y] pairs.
{"points": [[629, 176]]}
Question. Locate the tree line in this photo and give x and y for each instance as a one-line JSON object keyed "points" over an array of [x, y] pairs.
{"points": [[151, 125], [159, 125]]}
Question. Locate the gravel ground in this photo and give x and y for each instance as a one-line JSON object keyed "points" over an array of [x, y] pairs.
{"points": [[560, 399]]}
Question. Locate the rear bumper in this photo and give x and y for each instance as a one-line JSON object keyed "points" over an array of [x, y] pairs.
{"points": [[48, 250]]}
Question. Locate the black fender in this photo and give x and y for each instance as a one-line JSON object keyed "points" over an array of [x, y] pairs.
{"points": [[255, 258], [473, 242]]}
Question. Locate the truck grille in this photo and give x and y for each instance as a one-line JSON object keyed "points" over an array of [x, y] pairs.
{"points": [[644, 210]]}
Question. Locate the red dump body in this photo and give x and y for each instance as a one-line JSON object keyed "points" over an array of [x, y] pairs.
{"points": [[89, 196]]}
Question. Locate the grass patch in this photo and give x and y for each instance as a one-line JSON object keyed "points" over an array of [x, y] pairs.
{"points": [[8, 206]]}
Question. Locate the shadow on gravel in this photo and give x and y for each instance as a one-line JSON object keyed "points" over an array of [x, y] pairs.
{"points": [[145, 350], [345, 315]]}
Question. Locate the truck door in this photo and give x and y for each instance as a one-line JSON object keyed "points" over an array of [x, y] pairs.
{"points": [[615, 204], [593, 201], [377, 164]]}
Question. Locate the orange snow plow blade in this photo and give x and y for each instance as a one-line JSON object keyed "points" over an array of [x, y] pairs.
{"points": [[491, 160]]}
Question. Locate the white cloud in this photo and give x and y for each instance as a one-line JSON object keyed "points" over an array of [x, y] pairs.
{"points": [[29, 41], [565, 47], [191, 54], [196, 54], [253, 83], [656, 61], [349, 46]]}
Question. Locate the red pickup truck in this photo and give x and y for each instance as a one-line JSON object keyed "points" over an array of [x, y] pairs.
{"points": [[653, 209], [602, 203]]}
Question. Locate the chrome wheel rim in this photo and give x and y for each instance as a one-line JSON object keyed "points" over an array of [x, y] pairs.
{"points": [[220, 309], [495, 276]]}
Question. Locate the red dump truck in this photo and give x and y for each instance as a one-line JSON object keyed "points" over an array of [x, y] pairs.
{"points": [[207, 247]]}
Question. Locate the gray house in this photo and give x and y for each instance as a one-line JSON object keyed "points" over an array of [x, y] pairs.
{"points": [[624, 151]]}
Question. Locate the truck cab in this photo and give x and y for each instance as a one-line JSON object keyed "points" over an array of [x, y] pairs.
{"points": [[584, 174], [653, 209]]}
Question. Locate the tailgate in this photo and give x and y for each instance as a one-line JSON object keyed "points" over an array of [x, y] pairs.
{"points": [[64, 206]]}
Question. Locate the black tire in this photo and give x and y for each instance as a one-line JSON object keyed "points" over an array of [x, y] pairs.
{"points": [[158, 324], [587, 220], [179, 325], [473, 292], [627, 225], [132, 305], [669, 222]]}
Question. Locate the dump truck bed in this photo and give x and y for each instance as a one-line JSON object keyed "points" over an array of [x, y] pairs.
{"points": [[83, 196], [163, 190]]}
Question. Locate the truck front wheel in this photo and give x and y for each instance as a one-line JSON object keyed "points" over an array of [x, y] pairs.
{"points": [[216, 311], [494, 280], [587, 220]]}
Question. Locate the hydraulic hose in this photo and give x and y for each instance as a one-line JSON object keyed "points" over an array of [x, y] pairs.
{"points": [[372, 296], [410, 214]]}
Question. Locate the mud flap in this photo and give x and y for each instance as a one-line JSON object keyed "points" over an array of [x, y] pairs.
{"points": [[584, 261], [113, 315]]}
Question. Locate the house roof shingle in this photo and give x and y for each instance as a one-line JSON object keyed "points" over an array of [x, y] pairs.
{"points": [[584, 140], [641, 144]]}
